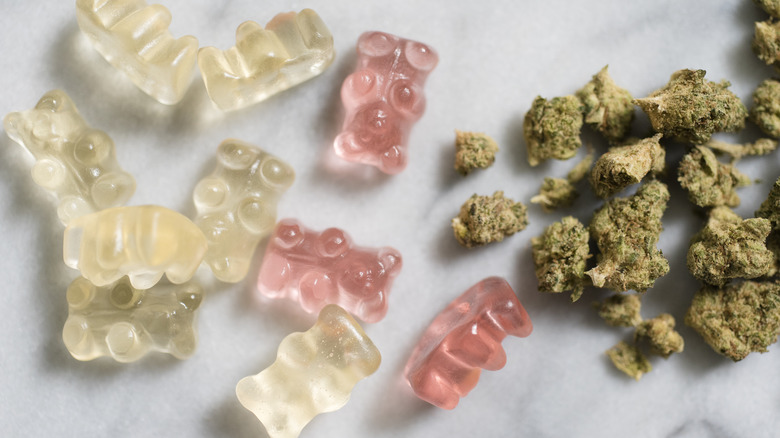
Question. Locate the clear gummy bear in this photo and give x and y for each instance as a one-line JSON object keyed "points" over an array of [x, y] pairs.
{"points": [[464, 339], [134, 37], [293, 48], [126, 323], [383, 98], [73, 161], [314, 372], [142, 242], [237, 205], [320, 268]]}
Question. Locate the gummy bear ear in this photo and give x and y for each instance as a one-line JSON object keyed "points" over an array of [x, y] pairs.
{"points": [[421, 56], [235, 154], [80, 293], [376, 44], [191, 297], [55, 101], [288, 233], [391, 260], [333, 242]]}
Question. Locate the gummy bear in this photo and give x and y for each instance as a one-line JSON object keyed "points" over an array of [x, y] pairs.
{"points": [[465, 337], [125, 323], [134, 37], [142, 242], [293, 48], [237, 205], [75, 162], [320, 268], [383, 98], [314, 372]]}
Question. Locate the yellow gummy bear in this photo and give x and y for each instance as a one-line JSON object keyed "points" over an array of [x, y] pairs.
{"points": [[293, 48], [125, 323], [134, 37], [237, 205], [142, 242], [75, 162], [314, 372]]}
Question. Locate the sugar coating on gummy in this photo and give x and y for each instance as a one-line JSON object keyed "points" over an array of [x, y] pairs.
{"points": [[314, 372], [293, 48], [73, 161], [142, 242], [383, 98], [464, 339], [236, 205], [134, 37], [126, 323], [320, 268]]}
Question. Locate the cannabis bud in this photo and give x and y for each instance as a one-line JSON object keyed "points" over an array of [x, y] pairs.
{"points": [[690, 108], [608, 108], [766, 42], [660, 334], [762, 146], [621, 310], [558, 192], [629, 359], [626, 231], [560, 254], [626, 165], [485, 219], [770, 209], [709, 182], [771, 7], [552, 129], [473, 150], [766, 107], [738, 319]]}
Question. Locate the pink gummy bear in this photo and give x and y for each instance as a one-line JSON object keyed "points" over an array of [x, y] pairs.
{"points": [[326, 268], [383, 98], [465, 337]]}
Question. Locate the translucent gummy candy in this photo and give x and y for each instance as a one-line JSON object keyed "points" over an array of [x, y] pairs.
{"points": [[142, 242], [75, 162], [134, 37], [126, 323], [293, 48], [383, 98], [314, 372], [237, 205], [320, 268], [465, 337]]}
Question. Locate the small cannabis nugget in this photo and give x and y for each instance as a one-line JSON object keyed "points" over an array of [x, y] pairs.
{"points": [[766, 107], [621, 310], [729, 247], [559, 192], [659, 332], [709, 182], [629, 359], [560, 254], [626, 231], [690, 108], [739, 319], [766, 42], [608, 108], [552, 129], [761, 146], [626, 165], [473, 150], [772, 7], [485, 219], [770, 209]]}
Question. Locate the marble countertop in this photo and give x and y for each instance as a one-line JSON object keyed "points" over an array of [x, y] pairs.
{"points": [[495, 57]]}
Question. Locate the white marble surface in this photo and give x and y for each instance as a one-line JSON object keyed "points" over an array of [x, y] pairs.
{"points": [[495, 57]]}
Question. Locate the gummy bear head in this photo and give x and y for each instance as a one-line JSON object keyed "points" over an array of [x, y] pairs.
{"points": [[53, 121]]}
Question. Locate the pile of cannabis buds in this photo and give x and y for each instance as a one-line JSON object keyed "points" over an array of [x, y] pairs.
{"points": [[737, 309]]}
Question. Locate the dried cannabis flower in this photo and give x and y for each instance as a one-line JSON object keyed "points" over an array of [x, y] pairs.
{"points": [[559, 257], [485, 219], [473, 150], [660, 334], [771, 7], [608, 108], [729, 247], [766, 107], [770, 209], [626, 231], [737, 320], [621, 310], [629, 359], [690, 108], [766, 42], [761, 146], [709, 182], [555, 193], [626, 165], [552, 129]]}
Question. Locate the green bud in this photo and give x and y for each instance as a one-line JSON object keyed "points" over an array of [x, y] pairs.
{"points": [[770, 209], [660, 334], [761, 146], [473, 150], [766, 42], [690, 108], [608, 108], [552, 129], [621, 310], [771, 7], [581, 169], [766, 107], [626, 231], [629, 359], [555, 193], [485, 219], [738, 319], [559, 257], [626, 165], [709, 182]]}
